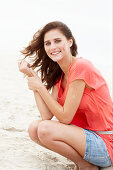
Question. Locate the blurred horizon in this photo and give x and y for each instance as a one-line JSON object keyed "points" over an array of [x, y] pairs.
{"points": [[91, 24], [89, 21]]}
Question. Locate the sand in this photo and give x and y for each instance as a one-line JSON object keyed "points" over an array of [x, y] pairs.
{"points": [[18, 152], [17, 110]]}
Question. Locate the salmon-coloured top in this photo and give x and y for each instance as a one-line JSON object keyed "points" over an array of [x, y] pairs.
{"points": [[95, 109]]}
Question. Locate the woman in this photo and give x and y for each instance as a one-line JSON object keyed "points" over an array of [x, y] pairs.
{"points": [[80, 99]]}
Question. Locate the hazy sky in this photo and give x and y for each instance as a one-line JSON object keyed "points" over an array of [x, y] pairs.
{"points": [[89, 20]]}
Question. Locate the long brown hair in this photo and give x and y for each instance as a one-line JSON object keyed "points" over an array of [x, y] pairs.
{"points": [[50, 70]]}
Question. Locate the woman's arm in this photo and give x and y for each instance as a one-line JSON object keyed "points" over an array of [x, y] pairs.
{"points": [[74, 95], [45, 112], [65, 113]]}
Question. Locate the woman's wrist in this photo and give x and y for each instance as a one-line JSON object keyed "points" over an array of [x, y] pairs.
{"points": [[40, 88]]}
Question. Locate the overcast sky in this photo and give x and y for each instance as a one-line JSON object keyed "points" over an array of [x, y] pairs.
{"points": [[89, 20]]}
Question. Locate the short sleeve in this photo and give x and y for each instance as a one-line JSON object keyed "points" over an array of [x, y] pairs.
{"points": [[83, 69]]}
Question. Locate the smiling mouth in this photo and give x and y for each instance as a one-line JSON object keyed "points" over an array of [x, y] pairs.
{"points": [[55, 53]]}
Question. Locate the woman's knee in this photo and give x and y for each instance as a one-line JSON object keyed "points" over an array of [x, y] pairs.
{"points": [[45, 130], [33, 129]]}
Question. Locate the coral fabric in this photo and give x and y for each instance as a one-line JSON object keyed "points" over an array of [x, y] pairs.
{"points": [[95, 109]]}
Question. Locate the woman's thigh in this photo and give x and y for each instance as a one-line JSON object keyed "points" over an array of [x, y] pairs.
{"points": [[74, 136]]}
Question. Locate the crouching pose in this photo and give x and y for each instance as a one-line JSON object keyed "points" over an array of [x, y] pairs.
{"points": [[79, 99]]}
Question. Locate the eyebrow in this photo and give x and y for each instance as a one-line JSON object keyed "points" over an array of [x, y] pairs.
{"points": [[54, 39]]}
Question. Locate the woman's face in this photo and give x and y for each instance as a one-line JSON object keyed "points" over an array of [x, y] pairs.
{"points": [[56, 45]]}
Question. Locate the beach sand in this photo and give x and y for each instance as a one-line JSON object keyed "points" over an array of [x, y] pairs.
{"points": [[17, 110], [18, 152]]}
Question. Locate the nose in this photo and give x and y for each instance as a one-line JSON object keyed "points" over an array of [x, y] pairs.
{"points": [[53, 46]]}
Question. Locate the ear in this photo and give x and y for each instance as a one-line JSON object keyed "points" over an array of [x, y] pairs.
{"points": [[70, 42]]}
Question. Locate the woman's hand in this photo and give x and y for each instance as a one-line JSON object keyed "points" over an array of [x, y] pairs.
{"points": [[34, 82], [24, 67]]}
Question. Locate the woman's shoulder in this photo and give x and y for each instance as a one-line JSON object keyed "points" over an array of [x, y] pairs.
{"points": [[82, 63]]}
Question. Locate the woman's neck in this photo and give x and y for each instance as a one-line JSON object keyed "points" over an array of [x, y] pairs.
{"points": [[65, 64]]}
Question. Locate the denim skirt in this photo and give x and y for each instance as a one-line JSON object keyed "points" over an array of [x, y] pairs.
{"points": [[96, 151]]}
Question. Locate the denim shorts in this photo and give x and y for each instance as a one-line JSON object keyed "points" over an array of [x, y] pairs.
{"points": [[96, 151]]}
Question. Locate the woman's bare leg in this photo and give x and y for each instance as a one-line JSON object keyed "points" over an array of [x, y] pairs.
{"points": [[32, 130], [52, 135]]}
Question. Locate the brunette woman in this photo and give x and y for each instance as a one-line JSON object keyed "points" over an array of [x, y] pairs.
{"points": [[80, 99]]}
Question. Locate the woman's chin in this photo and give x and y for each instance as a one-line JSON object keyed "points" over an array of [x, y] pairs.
{"points": [[57, 58]]}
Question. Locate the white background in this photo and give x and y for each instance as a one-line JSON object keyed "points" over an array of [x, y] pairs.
{"points": [[89, 20]]}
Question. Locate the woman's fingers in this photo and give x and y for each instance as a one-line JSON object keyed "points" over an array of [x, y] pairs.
{"points": [[28, 65], [25, 68], [33, 72]]}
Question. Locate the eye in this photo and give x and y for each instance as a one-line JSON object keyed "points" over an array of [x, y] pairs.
{"points": [[57, 41], [47, 43]]}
